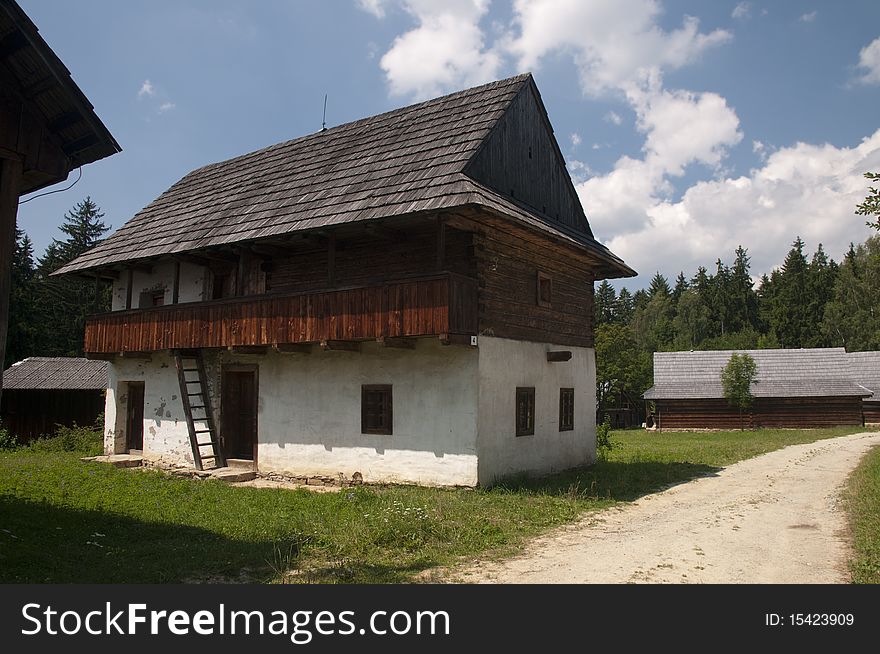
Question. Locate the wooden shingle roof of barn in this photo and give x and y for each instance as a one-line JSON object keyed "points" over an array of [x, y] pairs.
{"points": [[865, 368], [816, 372], [412, 160], [56, 373]]}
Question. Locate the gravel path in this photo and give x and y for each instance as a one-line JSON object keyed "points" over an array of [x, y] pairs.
{"points": [[775, 519]]}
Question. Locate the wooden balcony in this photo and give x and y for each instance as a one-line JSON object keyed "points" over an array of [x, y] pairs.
{"points": [[445, 303]]}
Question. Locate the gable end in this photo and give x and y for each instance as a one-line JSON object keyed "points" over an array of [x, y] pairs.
{"points": [[520, 159]]}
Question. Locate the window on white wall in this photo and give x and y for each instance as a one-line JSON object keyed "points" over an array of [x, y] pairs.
{"points": [[525, 410], [566, 409]]}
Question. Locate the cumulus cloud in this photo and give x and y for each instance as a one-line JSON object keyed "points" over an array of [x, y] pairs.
{"points": [[445, 51], [807, 190], [146, 89], [575, 139], [742, 11], [375, 7], [869, 62], [166, 106], [615, 43]]}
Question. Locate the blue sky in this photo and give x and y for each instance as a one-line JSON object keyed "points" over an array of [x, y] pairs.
{"points": [[689, 127]]}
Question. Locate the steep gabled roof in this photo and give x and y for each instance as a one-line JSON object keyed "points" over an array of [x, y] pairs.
{"points": [[56, 373], [865, 367], [401, 162], [819, 372]]}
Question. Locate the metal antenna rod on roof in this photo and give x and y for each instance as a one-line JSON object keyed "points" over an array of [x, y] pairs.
{"points": [[324, 117]]}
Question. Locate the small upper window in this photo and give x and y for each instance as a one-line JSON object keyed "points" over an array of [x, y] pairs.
{"points": [[219, 283], [566, 409], [376, 409], [545, 289], [154, 298], [525, 411]]}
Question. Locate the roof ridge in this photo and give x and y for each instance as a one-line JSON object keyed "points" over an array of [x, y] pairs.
{"points": [[474, 90]]}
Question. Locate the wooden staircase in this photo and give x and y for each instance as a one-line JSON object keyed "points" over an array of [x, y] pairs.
{"points": [[197, 409]]}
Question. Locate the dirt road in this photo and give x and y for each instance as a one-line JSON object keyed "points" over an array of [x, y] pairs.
{"points": [[776, 518]]}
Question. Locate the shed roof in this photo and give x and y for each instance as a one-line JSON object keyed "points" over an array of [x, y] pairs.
{"points": [[36, 75], [406, 161], [817, 372], [56, 373], [865, 367]]}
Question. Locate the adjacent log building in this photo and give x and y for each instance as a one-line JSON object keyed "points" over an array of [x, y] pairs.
{"points": [[47, 129], [794, 388], [41, 393], [865, 367], [407, 297]]}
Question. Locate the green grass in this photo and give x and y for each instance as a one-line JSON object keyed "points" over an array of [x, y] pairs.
{"points": [[62, 520], [864, 512]]}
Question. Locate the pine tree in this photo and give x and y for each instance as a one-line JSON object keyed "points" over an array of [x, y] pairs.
{"points": [[65, 302], [23, 319], [743, 300], [681, 285], [821, 275], [659, 286], [625, 307], [605, 301], [789, 317]]}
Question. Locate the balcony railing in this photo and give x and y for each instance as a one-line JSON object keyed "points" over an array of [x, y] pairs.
{"points": [[427, 306]]}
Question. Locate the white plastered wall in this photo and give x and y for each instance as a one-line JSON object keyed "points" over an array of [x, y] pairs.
{"points": [[506, 364], [161, 277], [309, 415], [165, 435]]}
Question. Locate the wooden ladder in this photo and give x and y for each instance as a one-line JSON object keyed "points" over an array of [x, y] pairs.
{"points": [[194, 393]]}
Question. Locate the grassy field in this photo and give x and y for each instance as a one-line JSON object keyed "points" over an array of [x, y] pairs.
{"points": [[864, 510], [62, 520]]}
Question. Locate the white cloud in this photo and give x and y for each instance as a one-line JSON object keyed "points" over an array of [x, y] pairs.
{"points": [[808, 17], [575, 139], [742, 11], [869, 62], [615, 43], [612, 117], [375, 7], [807, 190], [146, 89], [444, 52], [166, 106]]}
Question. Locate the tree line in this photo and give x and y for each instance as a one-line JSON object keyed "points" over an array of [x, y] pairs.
{"points": [[47, 314], [810, 301]]}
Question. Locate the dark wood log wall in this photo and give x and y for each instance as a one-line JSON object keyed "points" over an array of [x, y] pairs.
{"points": [[373, 258], [872, 412], [30, 414], [520, 159], [442, 304], [765, 412], [507, 271]]}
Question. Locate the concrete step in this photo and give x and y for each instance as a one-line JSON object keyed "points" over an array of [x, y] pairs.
{"points": [[232, 475], [118, 460], [240, 464]]}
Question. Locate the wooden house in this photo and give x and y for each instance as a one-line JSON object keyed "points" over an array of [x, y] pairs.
{"points": [[794, 388], [40, 393], [407, 297], [47, 129], [865, 367]]}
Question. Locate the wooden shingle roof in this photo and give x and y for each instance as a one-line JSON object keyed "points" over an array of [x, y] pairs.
{"points": [[405, 161], [865, 367], [818, 372], [56, 373]]}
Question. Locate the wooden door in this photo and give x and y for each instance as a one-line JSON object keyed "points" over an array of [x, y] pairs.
{"points": [[238, 414], [134, 426]]}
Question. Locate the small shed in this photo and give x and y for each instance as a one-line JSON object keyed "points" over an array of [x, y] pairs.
{"points": [[795, 388], [865, 367], [40, 393]]}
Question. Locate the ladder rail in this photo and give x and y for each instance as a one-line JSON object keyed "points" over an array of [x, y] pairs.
{"points": [[208, 420]]}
